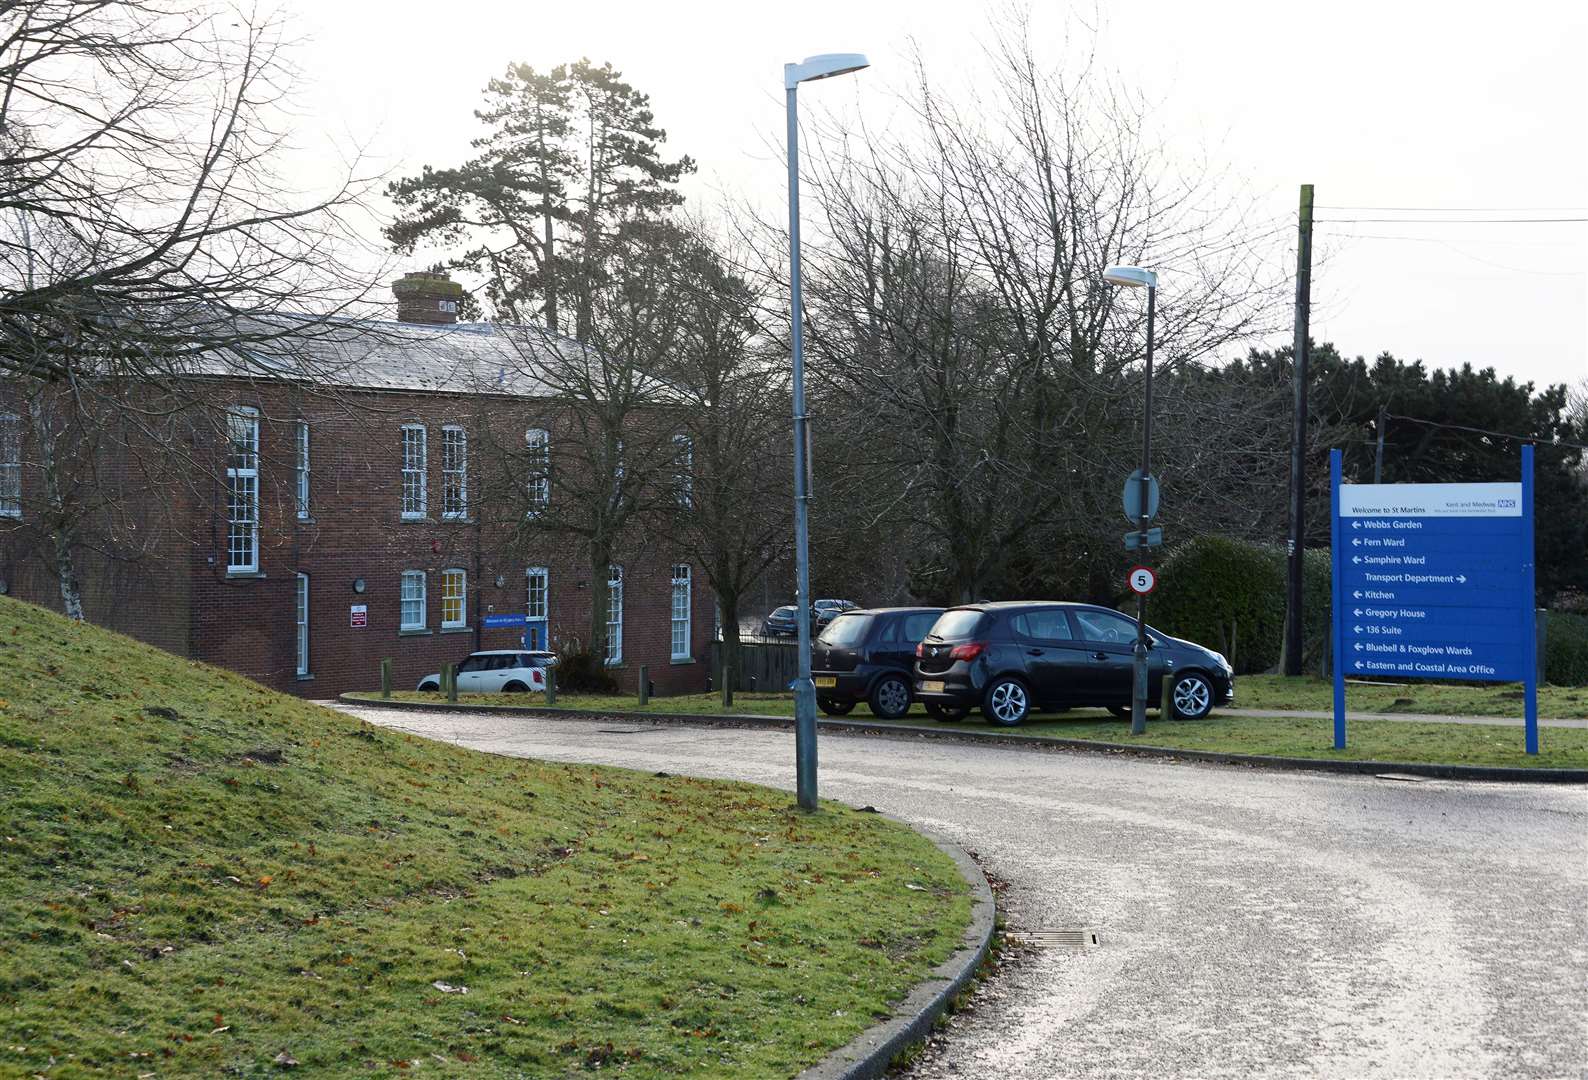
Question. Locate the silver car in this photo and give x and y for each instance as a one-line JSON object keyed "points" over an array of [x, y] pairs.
{"points": [[500, 671]]}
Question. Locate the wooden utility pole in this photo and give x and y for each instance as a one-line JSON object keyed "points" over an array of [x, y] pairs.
{"points": [[1298, 439]]}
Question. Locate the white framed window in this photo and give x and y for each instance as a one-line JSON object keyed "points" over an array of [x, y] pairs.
{"points": [[680, 615], [454, 473], [10, 465], [303, 623], [416, 493], [538, 443], [614, 645], [242, 490], [539, 592], [454, 599], [303, 468], [684, 471], [413, 600]]}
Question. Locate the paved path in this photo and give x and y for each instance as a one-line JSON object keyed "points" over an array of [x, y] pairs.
{"points": [[1253, 923], [1410, 718]]}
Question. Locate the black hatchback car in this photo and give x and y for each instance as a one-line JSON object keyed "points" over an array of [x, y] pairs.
{"points": [[1012, 659], [867, 656]]}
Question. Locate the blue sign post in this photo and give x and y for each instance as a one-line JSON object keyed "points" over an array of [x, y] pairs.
{"points": [[1434, 581]]}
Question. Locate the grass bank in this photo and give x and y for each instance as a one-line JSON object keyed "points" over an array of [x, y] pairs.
{"points": [[198, 876], [1367, 740], [1426, 698]]}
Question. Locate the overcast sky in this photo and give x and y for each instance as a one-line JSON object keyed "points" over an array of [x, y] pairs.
{"points": [[1384, 104]]}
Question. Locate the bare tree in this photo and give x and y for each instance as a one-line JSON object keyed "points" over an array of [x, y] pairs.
{"points": [[148, 244], [965, 346]]}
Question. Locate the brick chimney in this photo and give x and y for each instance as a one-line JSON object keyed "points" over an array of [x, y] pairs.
{"points": [[427, 296]]}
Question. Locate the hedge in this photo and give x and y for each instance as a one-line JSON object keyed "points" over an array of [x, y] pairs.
{"points": [[1566, 649]]}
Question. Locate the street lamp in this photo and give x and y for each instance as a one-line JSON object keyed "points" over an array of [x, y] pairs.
{"points": [[824, 66], [1134, 277]]}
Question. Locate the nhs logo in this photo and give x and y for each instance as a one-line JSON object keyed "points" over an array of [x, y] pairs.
{"points": [[1507, 504]]}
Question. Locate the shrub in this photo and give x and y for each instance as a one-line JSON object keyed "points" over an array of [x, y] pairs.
{"points": [[580, 670], [1230, 595], [1566, 649]]}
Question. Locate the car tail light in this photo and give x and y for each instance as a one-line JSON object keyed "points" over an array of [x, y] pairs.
{"points": [[969, 651], [920, 648]]}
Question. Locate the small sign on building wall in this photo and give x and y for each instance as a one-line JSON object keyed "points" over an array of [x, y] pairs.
{"points": [[358, 617]]}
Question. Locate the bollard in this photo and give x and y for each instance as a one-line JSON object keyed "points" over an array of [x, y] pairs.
{"points": [[1166, 709], [551, 686], [385, 677], [645, 685], [449, 678]]}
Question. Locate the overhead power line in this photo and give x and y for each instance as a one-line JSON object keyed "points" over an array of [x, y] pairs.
{"points": [[1485, 431], [1454, 221]]}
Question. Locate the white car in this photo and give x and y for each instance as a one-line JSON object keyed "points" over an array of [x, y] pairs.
{"points": [[501, 671]]}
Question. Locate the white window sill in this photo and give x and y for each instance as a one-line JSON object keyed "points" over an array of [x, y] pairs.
{"points": [[245, 575], [419, 518], [680, 660], [304, 676], [414, 631], [461, 629]]}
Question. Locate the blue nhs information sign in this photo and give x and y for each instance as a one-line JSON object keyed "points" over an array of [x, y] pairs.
{"points": [[1434, 581]]}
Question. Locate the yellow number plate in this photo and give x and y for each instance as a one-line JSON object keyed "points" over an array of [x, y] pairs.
{"points": [[826, 682], [932, 686]]}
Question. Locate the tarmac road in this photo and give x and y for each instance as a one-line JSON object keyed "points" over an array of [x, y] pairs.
{"points": [[1251, 923]]}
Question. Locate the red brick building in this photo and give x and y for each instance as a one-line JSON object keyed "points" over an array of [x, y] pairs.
{"points": [[354, 521]]}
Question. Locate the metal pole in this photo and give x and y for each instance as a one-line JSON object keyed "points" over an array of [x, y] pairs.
{"points": [[1298, 439], [1378, 455], [804, 689], [1138, 699]]}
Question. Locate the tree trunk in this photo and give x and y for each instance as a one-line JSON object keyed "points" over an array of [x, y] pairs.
{"points": [[60, 520], [728, 614], [600, 569]]}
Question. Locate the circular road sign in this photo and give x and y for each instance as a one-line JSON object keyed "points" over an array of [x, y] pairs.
{"points": [[1132, 497], [1142, 580]]}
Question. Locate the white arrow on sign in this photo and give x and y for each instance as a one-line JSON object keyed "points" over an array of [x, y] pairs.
{"points": [[1356, 524], [1359, 646], [1356, 541], [1356, 558], [1357, 612], [1461, 578], [1359, 665], [1356, 629], [1356, 594]]}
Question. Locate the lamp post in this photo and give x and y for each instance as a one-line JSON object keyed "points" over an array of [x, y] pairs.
{"points": [[824, 66], [1134, 277]]}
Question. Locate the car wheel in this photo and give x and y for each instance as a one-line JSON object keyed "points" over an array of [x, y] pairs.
{"points": [[947, 713], [429, 687], [1192, 696], [890, 698], [1006, 702], [835, 708], [515, 687]]}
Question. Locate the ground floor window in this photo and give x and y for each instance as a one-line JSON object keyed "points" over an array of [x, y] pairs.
{"points": [[454, 602], [303, 624], [614, 652], [537, 608], [681, 611], [413, 600]]}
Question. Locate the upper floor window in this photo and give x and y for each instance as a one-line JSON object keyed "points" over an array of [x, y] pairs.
{"points": [[539, 480], [684, 471], [242, 490], [538, 588], [454, 472], [416, 492], [614, 643], [413, 600], [10, 465], [303, 468], [454, 599], [680, 612]]}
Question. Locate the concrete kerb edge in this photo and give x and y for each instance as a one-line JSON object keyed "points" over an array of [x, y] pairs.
{"points": [[1491, 773], [868, 1054]]}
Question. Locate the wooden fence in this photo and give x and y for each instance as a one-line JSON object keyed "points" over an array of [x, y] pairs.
{"points": [[762, 665]]}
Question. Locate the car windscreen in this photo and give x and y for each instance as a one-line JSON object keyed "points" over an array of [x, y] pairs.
{"points": [[846, 631], [956, 625]]}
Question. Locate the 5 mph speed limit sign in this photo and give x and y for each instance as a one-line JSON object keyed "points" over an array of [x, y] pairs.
{"points": [[1142, 580]]}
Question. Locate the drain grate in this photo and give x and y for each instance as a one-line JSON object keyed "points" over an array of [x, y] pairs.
{"points": [[1058, 939]]}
